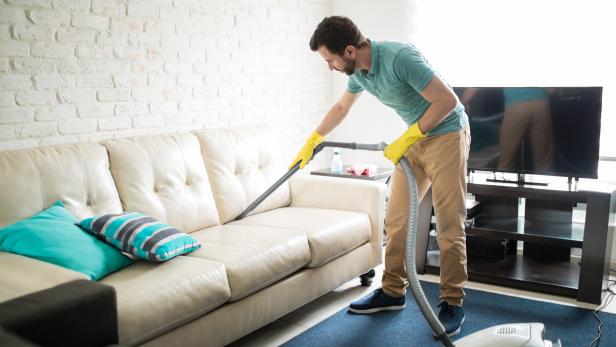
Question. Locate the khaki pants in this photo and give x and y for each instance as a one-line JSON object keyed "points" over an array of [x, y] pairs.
{"points": [[440, 161]]}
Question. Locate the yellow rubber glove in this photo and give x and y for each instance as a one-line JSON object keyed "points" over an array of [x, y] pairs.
{"points": [[397, 149], [305, 154]]}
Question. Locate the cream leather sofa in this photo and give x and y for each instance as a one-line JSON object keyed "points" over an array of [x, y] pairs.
{"points": [[310, 236]]}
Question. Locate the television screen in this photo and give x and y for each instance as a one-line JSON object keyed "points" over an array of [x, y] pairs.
{"points": [[534, 130]]}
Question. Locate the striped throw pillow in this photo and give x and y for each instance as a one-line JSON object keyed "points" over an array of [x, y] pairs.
{"points": [[140, 235]]}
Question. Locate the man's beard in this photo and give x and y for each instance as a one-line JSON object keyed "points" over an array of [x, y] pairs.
{"points": [[349, 68]]}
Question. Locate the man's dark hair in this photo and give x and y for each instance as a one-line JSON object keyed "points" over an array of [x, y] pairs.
{"points": [[336, 33]]}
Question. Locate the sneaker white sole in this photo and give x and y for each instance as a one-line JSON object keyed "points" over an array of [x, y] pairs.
{"points": [[455, 332], [377, 309]]}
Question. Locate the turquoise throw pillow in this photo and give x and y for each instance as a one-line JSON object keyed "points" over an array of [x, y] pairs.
{"points": [[141, 235], [53, 236]]}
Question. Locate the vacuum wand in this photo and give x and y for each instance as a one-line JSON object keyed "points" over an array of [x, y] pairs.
{"points": [[349, 145]]}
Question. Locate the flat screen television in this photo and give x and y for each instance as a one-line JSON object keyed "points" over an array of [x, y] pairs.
{"points": [[534, 130]]}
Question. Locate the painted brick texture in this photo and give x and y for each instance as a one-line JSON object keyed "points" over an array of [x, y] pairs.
{"points": [[88, 70]]}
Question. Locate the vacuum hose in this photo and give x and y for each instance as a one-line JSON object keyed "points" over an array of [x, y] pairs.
{"points": [[411, 272]]}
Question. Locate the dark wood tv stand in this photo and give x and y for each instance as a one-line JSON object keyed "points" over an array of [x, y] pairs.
{"points": [[547, 232]]}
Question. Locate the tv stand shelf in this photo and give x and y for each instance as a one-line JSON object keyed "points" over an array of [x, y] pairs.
{"points": [[555, 233], [522, 272], [547, 232]]}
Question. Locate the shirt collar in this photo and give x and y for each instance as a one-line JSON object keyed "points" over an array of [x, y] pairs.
{"points": [[374, 51], [374, 63]]}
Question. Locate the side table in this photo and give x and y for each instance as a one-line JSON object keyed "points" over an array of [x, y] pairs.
{"points": [[382, 173]]}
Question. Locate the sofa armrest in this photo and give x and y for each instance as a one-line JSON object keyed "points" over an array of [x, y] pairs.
{"points": [[8, 339], [77, 313], [345, 194], [23, 275]]}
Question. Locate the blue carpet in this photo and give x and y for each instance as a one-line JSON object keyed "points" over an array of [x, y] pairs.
{"points": [[574, 326]]}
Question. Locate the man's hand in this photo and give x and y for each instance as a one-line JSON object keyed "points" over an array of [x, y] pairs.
{"points": [[305, 154], [398, 148]]}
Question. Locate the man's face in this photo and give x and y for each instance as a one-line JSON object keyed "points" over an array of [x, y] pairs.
{"points": [[343, 63]]}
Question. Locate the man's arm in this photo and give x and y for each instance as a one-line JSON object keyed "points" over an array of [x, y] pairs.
{"points": [[337, 112], [443, 100], [334, 116]]}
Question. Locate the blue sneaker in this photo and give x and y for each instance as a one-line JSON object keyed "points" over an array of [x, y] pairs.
{"points": [[452, 318], [377, 301]]}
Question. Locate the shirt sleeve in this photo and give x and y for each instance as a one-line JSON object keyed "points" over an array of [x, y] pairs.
{"points": [[353, 87], [411, 67]]}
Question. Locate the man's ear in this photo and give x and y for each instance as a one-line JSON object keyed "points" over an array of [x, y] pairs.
{"points": [[350, 51]]}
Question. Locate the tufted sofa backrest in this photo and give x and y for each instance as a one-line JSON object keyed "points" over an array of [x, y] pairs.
{"points": [[189, 180], [242, 163], [163, 176], [77, 174]]}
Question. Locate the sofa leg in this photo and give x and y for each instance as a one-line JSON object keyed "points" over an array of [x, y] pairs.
{"points": [[366, 279]]}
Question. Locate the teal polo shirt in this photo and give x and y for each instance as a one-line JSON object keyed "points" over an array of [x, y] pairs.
{"points": [[399, 72]]}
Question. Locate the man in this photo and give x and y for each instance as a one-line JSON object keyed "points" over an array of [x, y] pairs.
{"points": [[436, 143]]}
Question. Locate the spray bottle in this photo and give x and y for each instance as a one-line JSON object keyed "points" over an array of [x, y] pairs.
{"points": [[336, 164]]}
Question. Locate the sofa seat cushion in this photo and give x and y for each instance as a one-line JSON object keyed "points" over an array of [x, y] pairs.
{"points": [[154, 298], [254, 256], [331, 233]]}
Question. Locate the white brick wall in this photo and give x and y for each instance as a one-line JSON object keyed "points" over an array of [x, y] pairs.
{"points": [[87, 70]]}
